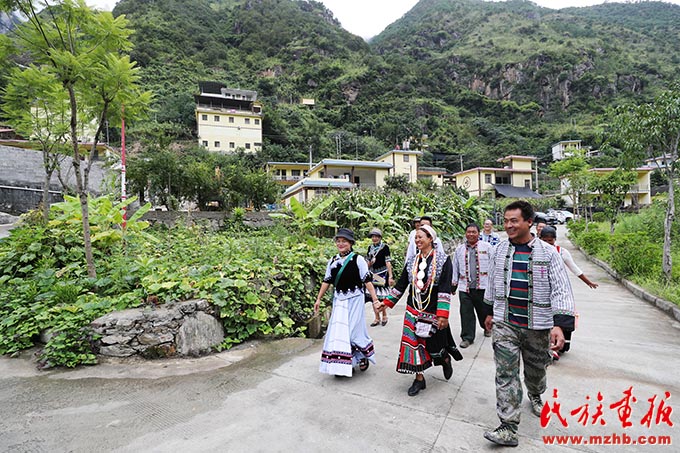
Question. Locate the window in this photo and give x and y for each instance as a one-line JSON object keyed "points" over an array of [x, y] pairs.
{"points": [[205, 143], [487, 178], [231, 119], [527, 183], [295, 172], [217, 118], [406, 156], [247, 145], [502, 179], [247, 120], [258, 145], [232, 145], [204, 117], [257, 121], [217, 144]]}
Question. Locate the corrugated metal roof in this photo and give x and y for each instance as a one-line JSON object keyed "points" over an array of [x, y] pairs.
{"points": [[516, 192]]}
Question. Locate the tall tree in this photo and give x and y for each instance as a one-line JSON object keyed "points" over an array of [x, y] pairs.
{"points": [[652, 130], [86, 51], [574, 176]]}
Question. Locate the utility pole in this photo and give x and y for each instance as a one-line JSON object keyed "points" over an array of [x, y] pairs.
{"points": [[310, 157], [461, 162]]}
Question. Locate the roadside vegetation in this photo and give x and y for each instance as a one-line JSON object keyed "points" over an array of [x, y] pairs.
{"points": [[635, 248], [263, 281]]}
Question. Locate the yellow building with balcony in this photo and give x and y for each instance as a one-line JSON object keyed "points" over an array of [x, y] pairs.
{"points": [[288, 173], [639, 193], [514, 180], [228, 119], [307, 181]]}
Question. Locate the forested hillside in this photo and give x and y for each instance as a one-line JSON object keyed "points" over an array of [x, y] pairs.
{"points": [[484, 79]]}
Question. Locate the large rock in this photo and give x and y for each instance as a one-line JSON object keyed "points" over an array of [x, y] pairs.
{"points": [[198, 334], [184, 328]]}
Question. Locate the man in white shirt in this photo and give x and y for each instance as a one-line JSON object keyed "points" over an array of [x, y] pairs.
{"points": [[412, 250], [470, 276], [488, 234]]}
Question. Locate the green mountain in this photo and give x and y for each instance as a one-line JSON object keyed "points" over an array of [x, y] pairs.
{"points": [[481, 79]]}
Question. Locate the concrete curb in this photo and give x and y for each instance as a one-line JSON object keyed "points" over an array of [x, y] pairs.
{"points": [[667, 307]]}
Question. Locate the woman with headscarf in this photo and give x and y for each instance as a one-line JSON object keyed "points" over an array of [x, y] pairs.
{"points": [[380, 265], [347, 343], [426, 337]]}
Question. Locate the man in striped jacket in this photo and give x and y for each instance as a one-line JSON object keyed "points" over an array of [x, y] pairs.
{"points": [[528, 301]]}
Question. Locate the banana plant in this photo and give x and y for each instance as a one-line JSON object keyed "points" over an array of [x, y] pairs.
{"points": [[308, 220]]}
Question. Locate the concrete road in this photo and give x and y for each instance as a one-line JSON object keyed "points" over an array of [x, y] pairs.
{"points": [[4, 229], [270, 397]]}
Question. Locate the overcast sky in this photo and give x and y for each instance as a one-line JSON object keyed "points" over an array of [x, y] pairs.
{"points": [[368, 18]]}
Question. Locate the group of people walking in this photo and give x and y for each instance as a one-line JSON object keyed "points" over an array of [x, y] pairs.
{"points": [[516, 289]]}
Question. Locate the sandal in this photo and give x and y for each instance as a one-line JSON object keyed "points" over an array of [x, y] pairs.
{"points": [[384, 322], [375, 323], [363, 364]]}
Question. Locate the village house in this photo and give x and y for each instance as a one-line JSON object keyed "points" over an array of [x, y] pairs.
{"points": [[228, 119], [514, 180]]}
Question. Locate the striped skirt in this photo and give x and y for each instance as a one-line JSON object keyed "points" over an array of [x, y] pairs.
{"points": [[413, 355]]}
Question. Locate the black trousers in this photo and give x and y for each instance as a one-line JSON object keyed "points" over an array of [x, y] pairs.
{"points": [[470, 302]]}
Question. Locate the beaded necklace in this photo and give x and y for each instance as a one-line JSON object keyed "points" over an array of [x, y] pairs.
{"points": [[418, 286]]}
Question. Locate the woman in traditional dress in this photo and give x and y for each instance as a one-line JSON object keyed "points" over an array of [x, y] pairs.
{"points": [[428, 274], [549, 235], [347, 343], [380, 265]]}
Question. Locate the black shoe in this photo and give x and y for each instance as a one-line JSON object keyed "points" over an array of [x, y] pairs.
{"points": [[416, 387], [448, 369], [455, 353]]}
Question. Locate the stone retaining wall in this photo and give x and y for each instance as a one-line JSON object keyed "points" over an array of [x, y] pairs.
{"points": [[188, 328], [215, 219]]}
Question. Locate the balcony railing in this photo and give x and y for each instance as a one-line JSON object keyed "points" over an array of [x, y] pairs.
{"points": [[637, 188], [287, 178]]}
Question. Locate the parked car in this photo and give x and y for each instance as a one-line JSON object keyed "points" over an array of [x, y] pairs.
{"points": [[568, 216], [549, 217], [558, 215]]}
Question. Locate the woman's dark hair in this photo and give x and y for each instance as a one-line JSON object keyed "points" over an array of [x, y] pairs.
{"points": [[524, 206], [472, 224], [548, 231]]}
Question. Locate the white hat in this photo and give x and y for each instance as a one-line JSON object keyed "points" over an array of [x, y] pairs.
{"points": [[429, 231], [375, 232]]}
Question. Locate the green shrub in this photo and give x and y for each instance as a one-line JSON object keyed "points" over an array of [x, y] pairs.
{"points": [[600, 217], [594, 242], [576, 228], [635, 254], [649, 220]]}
